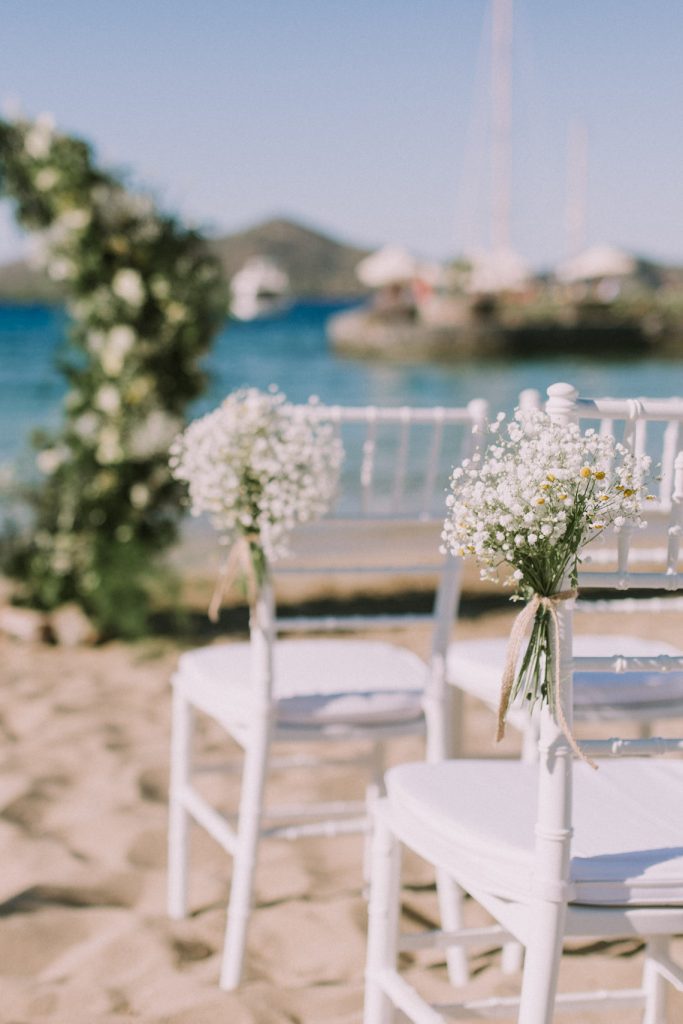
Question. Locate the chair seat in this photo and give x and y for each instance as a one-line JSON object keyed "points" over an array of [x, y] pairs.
{"points": [[476, 819], [318, 682], [476, 666]]}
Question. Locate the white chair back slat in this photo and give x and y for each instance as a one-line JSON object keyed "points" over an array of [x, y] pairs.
{"points": [[368, 462], [618, 747], [640, 437], [619, 663], [350, 623], [432, 464], [623, 549], [630, 581], [389, 510], [676, 518], [402, 457], [670, 446], [390, 568]]}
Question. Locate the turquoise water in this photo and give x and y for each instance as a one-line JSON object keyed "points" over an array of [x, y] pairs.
{"points": [[293, 352]]}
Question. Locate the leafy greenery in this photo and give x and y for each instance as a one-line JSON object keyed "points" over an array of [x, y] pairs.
{"points": [[145, 299]]}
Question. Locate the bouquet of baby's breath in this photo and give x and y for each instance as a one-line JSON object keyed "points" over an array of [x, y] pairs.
{"points": [[531, 502], [258, 466]]}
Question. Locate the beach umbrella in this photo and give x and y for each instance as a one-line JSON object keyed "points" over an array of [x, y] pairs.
{"points": [[392, 264], [596, 262], [500, 270]]}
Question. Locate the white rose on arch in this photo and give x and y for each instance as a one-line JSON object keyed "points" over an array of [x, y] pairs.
{"points": [[39, 137], [127, 285]]}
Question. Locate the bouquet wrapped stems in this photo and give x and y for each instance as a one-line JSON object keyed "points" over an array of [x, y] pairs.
{"points": [[246, 564], [531, 502]]}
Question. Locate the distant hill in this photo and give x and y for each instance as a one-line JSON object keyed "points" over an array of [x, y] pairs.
{"points": [[316, 264]]}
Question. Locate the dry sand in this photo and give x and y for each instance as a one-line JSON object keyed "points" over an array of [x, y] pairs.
{"points": [[83, 932]]}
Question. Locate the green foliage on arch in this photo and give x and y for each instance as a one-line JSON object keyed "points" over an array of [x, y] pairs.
{"points": [[145, 299]]}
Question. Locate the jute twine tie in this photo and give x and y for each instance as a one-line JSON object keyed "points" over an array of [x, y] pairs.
{"points": [[239, 563], [520, 630]]}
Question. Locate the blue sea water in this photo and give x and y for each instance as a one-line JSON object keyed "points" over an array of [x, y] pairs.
{"points": [[292, 351]]}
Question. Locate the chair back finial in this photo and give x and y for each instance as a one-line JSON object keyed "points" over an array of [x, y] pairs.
{"points": [[561, 404]]}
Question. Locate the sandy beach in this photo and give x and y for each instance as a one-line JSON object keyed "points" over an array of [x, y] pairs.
{"points": [[84, 938]]}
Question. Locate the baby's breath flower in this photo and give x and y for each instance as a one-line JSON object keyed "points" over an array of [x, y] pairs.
{"points": [[258, 465]]}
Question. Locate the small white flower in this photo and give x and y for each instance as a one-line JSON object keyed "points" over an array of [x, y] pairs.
{"points": [[39, 137], [46, 178], [61, 269], [153, 436], [107, 399], [115, 347], [128, 285], [176, 312], [109, 450], [139, 495], [76, 219], [49, 460]]}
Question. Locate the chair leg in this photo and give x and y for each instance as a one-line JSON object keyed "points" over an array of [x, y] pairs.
{"points": [[244, 862], [451, 902], [374, 791], [512, 958], [383, 919], [542, 964], [456, 712], [179, 819], [654, 984]]}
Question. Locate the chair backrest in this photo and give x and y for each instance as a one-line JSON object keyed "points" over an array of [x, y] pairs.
{"points": [[385, 524], [626, 573], [649, 426], [646, 426]]}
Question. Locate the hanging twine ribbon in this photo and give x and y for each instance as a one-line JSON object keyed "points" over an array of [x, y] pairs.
{"points": [[238, 565], [520, 630]]}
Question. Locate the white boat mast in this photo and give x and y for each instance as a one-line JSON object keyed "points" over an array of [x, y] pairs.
{"points": [[501, 124], [577, 187]]}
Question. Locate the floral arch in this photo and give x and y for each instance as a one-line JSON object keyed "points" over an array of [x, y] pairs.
{"points": [[145, 299]]}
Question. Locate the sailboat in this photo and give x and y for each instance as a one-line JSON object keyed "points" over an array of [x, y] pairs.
{"points": [[447, 322], [493, 305]]}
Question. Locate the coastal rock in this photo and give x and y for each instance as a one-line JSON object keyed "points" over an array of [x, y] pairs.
{"points": [[23, 624], [71, 627]]}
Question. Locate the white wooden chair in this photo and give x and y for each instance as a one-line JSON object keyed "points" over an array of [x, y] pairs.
{"points": [[386, 521], [651, 426], [551, 849]]}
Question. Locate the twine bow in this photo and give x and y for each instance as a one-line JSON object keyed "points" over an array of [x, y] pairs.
{"points": [[518, 634], [239, 563]]}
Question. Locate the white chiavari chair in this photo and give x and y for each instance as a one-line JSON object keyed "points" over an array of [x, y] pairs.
{"points": [[551, 848], [646, 426], [385, 523]]}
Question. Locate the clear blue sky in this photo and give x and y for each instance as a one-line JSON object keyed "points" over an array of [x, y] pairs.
{"points": [[365, 117]]}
